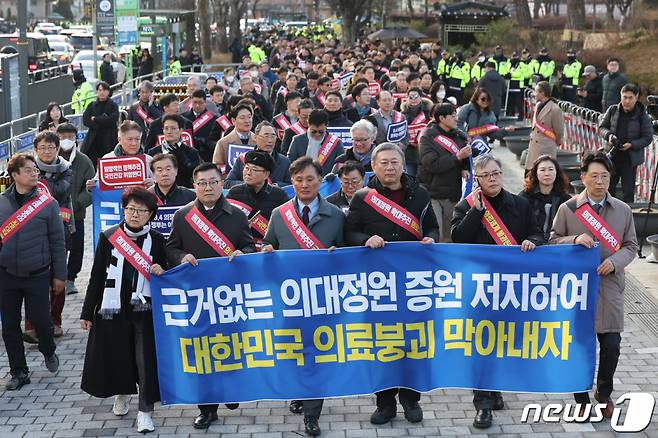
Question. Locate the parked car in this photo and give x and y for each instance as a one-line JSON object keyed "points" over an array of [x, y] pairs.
{"points": [[63, 52], [38, 50], [47, 28], [84, 59]]}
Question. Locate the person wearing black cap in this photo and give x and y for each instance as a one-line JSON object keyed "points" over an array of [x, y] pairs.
{"points": [[517, 74], [443, 67], [460, 73], [502, 63], [529, 64], [570, 76], [546, 66], [256, 197]]}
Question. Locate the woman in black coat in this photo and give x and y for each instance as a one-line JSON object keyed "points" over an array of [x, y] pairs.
{"points": [[145, 64], [101, 117], [117, 312], [545, 187]]}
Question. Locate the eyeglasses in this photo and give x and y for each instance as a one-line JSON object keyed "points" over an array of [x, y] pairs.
{"points": [[360, 140], [490, 175], [268, 135], [317, 132], [249, 169], [203, 184], [414, 96], [31, 170], [47, 148], [351, 182], [131, 211]]}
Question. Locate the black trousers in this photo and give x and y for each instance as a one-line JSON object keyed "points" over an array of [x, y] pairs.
{"points": [[76, 253], [515, 103], [35, 292], [485, 399], [609, 349], [627, 173], [313, 408], [457, 94], [208, 409], [569, 93], [386, 398]]}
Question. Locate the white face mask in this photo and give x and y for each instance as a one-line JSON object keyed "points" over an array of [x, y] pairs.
{"points": [[230, 78], [254, 74], [67, 144], [481, 58], [441, 94]]}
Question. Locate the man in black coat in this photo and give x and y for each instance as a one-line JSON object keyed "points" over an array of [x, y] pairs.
{"points": [[106, 71], [592, 91], [170, 105], [494, 83], [468, 227], [367, 225], [144, 111], [188, 157], [255, 197], [186, 243], [101, 117], [202, 123], [247, 89], [165, 170], [627, 128]]}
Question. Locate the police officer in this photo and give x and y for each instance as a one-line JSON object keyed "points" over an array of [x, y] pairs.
{"points": [[546, 66], [570, 77], [502, 63], [443, 67], [458, 78], [532, 67], [477, 71], [517, 74]]}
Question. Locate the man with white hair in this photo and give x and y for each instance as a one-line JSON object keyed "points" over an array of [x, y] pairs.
{"points": [[193, 84], [363, 138]]}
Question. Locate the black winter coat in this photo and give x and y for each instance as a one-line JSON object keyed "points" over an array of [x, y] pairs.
{"points": [[110, 360], [267, 199], [514, 211], [102, 135], [639, 134], [188, 158], [155, 130], [538, 202], [201, 142], [364, 222]]}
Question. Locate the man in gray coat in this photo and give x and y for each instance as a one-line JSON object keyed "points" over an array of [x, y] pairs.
{"points": [[321, 225], [494, 83], [612, 83], [32, 262], [569, 229], [316, 143]]}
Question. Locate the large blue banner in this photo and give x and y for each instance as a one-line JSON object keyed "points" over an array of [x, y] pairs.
{"points": [[312, 324]]}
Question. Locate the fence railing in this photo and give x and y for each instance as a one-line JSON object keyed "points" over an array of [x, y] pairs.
{"points": [[582, 134]]}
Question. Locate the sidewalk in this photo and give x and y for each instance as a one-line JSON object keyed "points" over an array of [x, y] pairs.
{"points": [[54, 405]]}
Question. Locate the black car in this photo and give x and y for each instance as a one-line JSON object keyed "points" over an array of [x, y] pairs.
{"points": [[38, 50]]}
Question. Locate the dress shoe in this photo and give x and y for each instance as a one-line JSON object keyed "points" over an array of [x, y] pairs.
{"points": [[204, 420], [17, 381], [483, 419], [52, 363], [30, 336], [311, 426], [498, 402], [296, 407], [412, 411], [383, 415], [232, 406], [609, 406]]}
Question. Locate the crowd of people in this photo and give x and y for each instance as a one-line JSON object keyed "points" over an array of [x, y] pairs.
{"points": [[411, 132]]}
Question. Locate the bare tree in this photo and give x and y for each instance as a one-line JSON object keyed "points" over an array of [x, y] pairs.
{"points": [[523, 13], [576, 14], [237, 10], [222, 15], [190, 28], [410, 6], [624, 7], [254, 7], [352, 11], [536, 8], [203, 17]]}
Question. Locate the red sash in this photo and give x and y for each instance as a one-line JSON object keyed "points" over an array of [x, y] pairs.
{"points": [[23, 215], [201, 121], [143, 115], [393, 212], [483, 130], [284, 123], [548, 133], [209, 232], [400, 96], [321, 98], [304, 237], [187, 105], [297, 128], [598, 227], [65, 213], [416, 126], [224, 122], [447, 143], [283, 91], [493, 223], [398, 117], [374, 88], [131, 252], [327, 147], [258, 222]]}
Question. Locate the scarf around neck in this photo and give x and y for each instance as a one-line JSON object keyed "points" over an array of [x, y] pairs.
{"points": [[58, 166]]}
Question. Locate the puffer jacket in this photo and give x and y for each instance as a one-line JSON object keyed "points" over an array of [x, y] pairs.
{"points": [[38, 244], [640, 132]]}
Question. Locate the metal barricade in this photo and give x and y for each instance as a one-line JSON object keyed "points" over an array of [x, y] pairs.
{"points": [[582, 134]]}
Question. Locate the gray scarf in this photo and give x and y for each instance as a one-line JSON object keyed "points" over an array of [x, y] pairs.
{"points": [[60, 165]]}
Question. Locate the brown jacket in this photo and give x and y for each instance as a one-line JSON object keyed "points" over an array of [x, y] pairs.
{"points": [[617, 214], [551, 117], [220, 156]]}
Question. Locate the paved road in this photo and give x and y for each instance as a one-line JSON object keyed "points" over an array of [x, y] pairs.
{"points": [[54, 405]]}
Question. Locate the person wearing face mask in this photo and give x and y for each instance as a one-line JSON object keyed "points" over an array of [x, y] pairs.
{"points": [[477, 71], [438, 92], [229, 81], [83, 170], [494, 83], [317, 143], [458, 78], [546, 66], [261, 85], [570, 76]]}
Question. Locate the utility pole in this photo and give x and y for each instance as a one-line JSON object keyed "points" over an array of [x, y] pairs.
{"points": [[22, 43], [94, 40]]}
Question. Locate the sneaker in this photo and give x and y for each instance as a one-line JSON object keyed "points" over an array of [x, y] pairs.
{"points": [[30, 336], [412, 411], [52, 363], [120, 407], [144, 422], [17, 381], [70, 288], [58, 332]]}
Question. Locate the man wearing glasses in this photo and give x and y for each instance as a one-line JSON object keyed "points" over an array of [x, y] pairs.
{"points": [[352, 176], [188, 157], [265, 142], [208, 227], [474, 221], [443, 163], [363, 137], [317, 143]]}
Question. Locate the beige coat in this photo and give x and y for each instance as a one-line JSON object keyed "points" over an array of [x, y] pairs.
{"points": [[220, 156], [551, 117], [617, 214]]}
